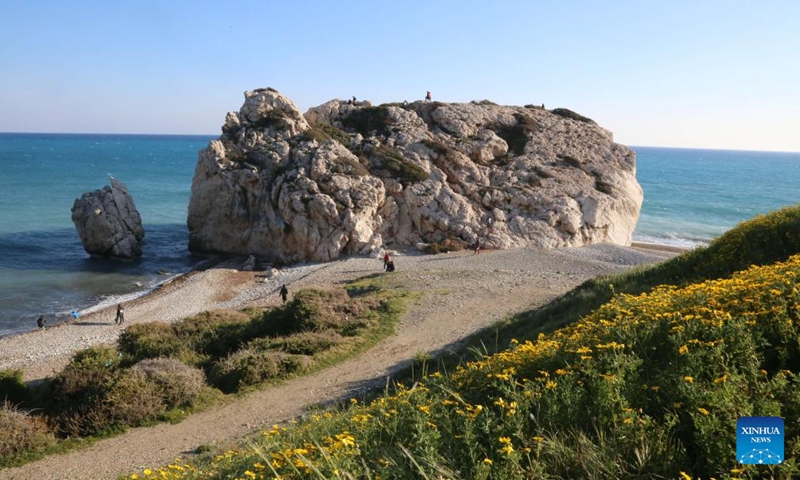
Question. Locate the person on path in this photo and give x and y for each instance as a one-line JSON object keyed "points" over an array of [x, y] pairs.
{"points": [[428, 96], [120, 315], [41, 322], [386, 261], [284, 293], [390, 266]]}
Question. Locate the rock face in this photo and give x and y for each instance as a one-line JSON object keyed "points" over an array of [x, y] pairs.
{"points": [[108, 223], [350, 179]]}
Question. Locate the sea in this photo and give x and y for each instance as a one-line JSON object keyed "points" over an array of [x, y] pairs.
{"points": [[690, 197]]}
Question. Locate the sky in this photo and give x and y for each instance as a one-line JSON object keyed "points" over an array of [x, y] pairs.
{"points": [[699, 74]]}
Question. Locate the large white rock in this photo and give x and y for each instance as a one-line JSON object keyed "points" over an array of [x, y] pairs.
{"points": [[347, 179], [108, 223]]}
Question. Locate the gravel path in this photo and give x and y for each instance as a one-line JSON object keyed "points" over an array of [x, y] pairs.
{"points": [[462, 293]]}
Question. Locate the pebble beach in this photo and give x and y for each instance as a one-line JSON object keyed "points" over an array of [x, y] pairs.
{"points": [[43, 353]]}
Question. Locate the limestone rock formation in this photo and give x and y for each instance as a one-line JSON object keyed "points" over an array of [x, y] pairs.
{"points": [[350, 179], [108, 223]]}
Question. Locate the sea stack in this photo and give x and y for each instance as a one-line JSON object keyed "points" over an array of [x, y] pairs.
{"points": [[108, 223], [348, 178]]}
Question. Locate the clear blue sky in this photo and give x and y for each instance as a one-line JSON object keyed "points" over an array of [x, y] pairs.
{"points": [[715, 74]]}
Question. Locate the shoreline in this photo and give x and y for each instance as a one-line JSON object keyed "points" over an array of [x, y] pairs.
{"points": [[219, 284]]}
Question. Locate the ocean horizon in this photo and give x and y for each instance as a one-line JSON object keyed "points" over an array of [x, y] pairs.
{"points": [[690, 197]]}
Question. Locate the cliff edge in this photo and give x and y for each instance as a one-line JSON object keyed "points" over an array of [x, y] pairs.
{"points": [[351, 178]]}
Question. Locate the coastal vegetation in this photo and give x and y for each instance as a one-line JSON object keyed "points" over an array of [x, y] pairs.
{"points": [[164, 372], [643, 384]]}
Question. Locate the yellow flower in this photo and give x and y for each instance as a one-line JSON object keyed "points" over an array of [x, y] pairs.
{"points": [[508, 449], [721, 379], [689, 378], [685, 476], [677, 405], [250, 474], [683, 350], [505, 440], [550, 385], [488, 461], [627, 421], [703, 411], [538, 439], [147, 471]]}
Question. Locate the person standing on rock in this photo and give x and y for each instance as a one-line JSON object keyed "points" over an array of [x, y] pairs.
{"points": [[284, 293], [41, 322], [428, 96], [120, 315]]}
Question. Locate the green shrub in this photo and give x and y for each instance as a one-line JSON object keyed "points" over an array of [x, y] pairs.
{"points": [[133, 399], [13, 389], [21, 433], [178, 384], [79, 391], [368, 121], [150, 340], [214, 333], [387, 161], [301, 343], [448, 245], [566, 113], [517, 135], [247, 368]]}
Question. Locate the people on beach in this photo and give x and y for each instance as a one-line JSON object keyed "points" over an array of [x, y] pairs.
{"points": [[386, 260], [477, 247], [75, 313], [120, 315], [428, 96], [41, 321], [284, 293], [390, 266]]}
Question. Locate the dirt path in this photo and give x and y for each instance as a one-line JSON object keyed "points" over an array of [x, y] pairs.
{"points": [[462, 294]]}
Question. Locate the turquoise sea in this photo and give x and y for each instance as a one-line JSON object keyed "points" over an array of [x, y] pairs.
{"points": [[691, 196]]}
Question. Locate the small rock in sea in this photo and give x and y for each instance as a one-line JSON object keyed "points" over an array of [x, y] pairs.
{"points": [[163, 271]]}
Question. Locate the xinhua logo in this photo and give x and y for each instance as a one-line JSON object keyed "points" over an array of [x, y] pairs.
{"points": [[759, 440]]}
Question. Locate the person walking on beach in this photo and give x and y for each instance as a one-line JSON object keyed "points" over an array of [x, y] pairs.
{"points": [[477, 247], [41, 322], [386, 260], [120, 315], [284, 293]]}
